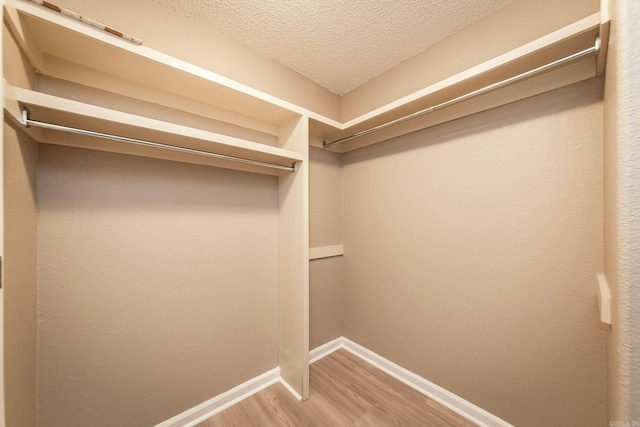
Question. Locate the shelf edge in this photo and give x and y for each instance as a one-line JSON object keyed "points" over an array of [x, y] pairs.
{"points": [[16, 95]]}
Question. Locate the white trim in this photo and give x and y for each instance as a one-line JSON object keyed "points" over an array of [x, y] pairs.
{"points": [[457, 404], [326, 252], [454, 402], [325, 350], [605, 11], [290, 389], [467, 409], [222, 401]]}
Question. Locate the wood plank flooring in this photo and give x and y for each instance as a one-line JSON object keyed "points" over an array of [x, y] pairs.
{"points": [[345, 391]]}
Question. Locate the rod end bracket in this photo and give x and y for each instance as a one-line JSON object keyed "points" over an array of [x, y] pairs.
{"points": [[25, 117]]}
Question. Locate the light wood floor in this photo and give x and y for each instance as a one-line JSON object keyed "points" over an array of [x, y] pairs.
{"points": [[345, 391]]}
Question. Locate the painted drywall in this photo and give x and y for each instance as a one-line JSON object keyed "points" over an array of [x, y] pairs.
{"points": [[326, 300], [473, 251], [325, 199], [173, 34], [157, 287], [20, 280], [20, 252], [509, 27], [621, 207]]}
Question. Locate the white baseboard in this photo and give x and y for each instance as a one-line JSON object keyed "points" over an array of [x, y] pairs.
{"points": [[222, 401], [457, 404], [290, 389], [325, 349]]}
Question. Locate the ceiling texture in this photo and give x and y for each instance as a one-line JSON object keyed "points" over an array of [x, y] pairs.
{"points": [[339, 44]]}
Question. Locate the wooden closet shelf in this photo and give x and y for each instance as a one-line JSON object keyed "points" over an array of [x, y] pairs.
{"points": [[57, 45], [565, 42], [68, 113]]}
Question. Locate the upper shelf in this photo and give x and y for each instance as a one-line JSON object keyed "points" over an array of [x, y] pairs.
{"points": [[60, 46], [49, 39], [68, 113], [587, 35]]}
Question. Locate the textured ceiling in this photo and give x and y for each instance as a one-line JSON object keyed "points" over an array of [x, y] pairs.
{"points": [[339, 44]]}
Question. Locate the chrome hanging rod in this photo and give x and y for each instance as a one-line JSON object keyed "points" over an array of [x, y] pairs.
{"points": [[26, 121], [587, 52]]}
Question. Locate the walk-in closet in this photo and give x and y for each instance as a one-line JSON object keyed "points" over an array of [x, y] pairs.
{"points": [[187, 223]]}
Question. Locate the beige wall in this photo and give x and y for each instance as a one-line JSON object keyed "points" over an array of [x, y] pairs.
{"points": [[622, 203], [19, 263], [473, 249], [326, 301], [325, 199], [20, 280], [158, 285]]}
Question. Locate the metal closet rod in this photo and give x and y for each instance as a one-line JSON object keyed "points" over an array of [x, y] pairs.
{"points": [[587, 52], [26, 121]]}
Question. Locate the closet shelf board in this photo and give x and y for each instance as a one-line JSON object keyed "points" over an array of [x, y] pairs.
{"points": [[47, 36], [51, 38], [61, 111], [559, 44]]}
